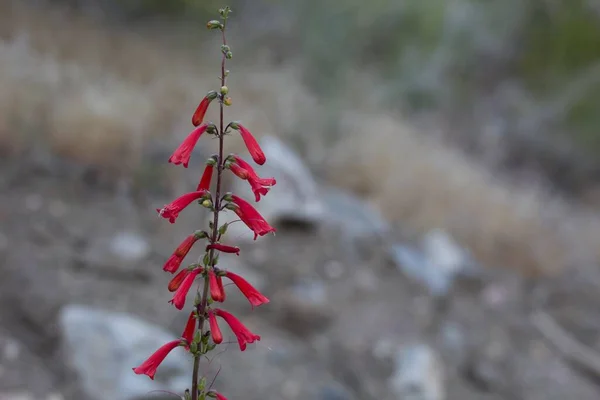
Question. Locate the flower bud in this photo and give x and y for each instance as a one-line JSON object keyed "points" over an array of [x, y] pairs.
{"points": [[227, 101], [207, 203], [224, 90], [214, 24], [223, 229], [229, 55], [227, 196], [200, 234], [211, 129], [226, 72]]}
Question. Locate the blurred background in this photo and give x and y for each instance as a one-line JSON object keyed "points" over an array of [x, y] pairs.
{"points": [[437, 201]]}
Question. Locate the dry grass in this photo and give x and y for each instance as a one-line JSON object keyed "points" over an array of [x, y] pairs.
{"points": [[105, 98], [102, 97], [423, 184]]}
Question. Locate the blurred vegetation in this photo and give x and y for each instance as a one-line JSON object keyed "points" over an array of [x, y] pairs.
{"points": [[429, 54]]}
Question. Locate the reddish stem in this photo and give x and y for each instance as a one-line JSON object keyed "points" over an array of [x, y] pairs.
{"points": [[215, 231]]}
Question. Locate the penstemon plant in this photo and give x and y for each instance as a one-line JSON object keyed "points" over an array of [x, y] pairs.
{"points": [[198, 338]]}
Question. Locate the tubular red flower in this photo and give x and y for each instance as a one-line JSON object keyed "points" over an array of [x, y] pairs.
{"points": [[255, 297], [179, 254], [217, 292], [178, 299], [182, 154], [251, 144], [190, 328], [149, 366], [242, 333], [171, 211], [215, 331], [239, 171], [260, 186], [202, 107], [206, 178], [251, 217], [177, 279], [219, 396], [224, 248]]}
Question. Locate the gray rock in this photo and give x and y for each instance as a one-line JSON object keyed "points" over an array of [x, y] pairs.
{"points": [[129, 246], [351, 214], [102, 347], [304, 308], [419, 268], [454, 341], [419, 374], [17, 396], [334, 392], [443, 252], [295, 198], [437, 264]]}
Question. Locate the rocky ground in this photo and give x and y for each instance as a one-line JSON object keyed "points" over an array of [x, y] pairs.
{"points": [[358, 311]]}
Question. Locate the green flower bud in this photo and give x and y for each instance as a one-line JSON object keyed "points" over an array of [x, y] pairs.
{"points": [[214, 24]]}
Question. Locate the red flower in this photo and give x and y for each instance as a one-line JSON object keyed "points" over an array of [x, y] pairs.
{"points": [[260, 186], [179, 298], [253, 148], [239, 171], [242, 333], [182, 154], [217, 292], [251, 217], [149, 366], [171, 211], [224, 248], [202, 107], [215, 331], [177, 279], [179, 254], [219, 396], [190, 328], [255, 297], [206, 178]]}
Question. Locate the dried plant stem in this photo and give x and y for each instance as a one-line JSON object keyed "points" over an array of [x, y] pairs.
{"points": [[215, 229]]}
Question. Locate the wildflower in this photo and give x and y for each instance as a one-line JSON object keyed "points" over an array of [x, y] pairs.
{"points": [[178, 299], [215, 331], [180, 252], [242, 333], [251, 217], [182, 154], [260, 186], [217, 395], [239, 171], [224, 248], [149, 366], [171, 211], [177, 279], [202, 107], [253, 148], [217, 292], [190, 327], [206, 178], [255, 297]]}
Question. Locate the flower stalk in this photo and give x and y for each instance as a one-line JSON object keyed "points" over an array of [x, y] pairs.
{"points": [[198, 337]]}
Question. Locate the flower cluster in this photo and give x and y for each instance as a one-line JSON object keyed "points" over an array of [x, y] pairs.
{"points": [[199, 338]]}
